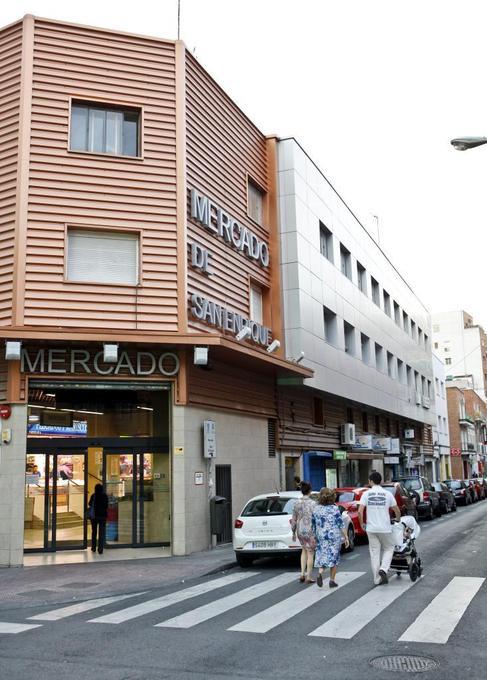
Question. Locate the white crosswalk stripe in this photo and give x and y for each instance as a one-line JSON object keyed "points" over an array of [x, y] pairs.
{"points": [[14, 628], [347, 623], [209, 611], [172, 598], [286, 609], [80, 608], [438, 621]]}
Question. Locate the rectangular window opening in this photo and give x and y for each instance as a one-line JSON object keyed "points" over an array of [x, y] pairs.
{"points": [[256, 198], [345, 261], [330, 326], [375, 291], [318, 412], [98, 128], [326, 243], [102, 257], [361, 278]]}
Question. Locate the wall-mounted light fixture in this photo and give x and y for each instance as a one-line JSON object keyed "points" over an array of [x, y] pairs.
{"points": [[110, 353], [275, 344], [244, 333], [200, 356], [13, 349]]}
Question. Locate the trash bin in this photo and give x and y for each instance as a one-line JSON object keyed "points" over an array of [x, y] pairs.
{"points": [[217, 514]]}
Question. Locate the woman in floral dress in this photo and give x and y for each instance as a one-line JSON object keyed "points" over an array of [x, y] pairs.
{"points": [[328, 528], [301, 526]]}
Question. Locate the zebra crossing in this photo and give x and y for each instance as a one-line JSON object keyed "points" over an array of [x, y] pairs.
{"points": [[435, 624]]}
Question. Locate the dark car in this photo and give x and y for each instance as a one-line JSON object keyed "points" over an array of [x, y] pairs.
{"points": [[406, 500], [427, 499], [460, 491], [447, 498]]}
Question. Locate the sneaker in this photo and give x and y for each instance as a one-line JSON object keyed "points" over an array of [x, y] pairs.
{"points": [[383, 577], [319, 580]]}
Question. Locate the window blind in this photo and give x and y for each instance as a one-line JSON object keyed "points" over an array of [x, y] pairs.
{"points": [[256, 304], [103, 257]]}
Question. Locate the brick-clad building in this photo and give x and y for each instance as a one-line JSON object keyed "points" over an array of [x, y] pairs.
{"points": [[467, 418]]}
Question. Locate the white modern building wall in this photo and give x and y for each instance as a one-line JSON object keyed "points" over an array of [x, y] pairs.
{"points": [[441, 434], [362, 329], [461, 345]]}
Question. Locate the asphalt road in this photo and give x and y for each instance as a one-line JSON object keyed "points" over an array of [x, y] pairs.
{"points": [[256, 624]]}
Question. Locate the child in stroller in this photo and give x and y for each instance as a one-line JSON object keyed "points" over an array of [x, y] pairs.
{"points": [[405, 558]]}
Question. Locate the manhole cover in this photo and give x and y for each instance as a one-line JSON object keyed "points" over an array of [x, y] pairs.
{"points": [[404, 663]]}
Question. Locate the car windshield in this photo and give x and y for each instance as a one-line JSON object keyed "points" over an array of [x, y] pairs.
{"points": [[412, 484], [274, 505], [345, 497], [437, 486], [453, 485]]}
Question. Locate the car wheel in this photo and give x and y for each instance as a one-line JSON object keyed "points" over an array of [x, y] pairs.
{"points": [[244, 561], [351, 539], [441, 509]]}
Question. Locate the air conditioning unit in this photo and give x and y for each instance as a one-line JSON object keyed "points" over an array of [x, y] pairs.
{"points": [[347, 433]]}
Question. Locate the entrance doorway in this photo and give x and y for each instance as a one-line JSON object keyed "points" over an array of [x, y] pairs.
{"points": [[223, 487]]}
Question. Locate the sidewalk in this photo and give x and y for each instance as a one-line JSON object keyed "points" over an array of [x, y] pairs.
{"points": [[57, 583]]}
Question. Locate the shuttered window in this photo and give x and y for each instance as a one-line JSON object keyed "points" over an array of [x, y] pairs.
{"points": [[256, 203], [256, 304], [271, 437], [102, 257]]}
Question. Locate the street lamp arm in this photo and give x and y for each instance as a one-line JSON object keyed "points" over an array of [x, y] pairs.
{"points": [[464, 143]]}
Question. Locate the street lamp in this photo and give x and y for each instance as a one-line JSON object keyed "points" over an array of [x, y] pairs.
{"points": [[464, 143]]}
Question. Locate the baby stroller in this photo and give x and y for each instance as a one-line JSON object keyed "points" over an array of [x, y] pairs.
{"points": [[405, 558]]}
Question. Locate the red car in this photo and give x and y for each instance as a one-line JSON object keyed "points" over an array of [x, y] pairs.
{"points": [[348, 497], [406, 500]]}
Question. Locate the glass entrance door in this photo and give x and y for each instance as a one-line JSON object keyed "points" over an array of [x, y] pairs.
{"points": [[137, 485]]}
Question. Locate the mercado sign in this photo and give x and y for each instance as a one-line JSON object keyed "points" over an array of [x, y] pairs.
{"points": [[214, 314], [215, 219], [66, 361]]}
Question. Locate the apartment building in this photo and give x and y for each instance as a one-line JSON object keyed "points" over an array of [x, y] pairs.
{"points": [[363, 331], [467, 416]]}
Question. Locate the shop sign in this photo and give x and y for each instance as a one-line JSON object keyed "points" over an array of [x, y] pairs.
{"points": [[78, 429], [5, 411], [456, 453], [381, 443], [67, 361], [395, 445], [214, 314], [339, 455], [219, 222], [363, 442], [209, 438], [391, 460], [321, 454]]}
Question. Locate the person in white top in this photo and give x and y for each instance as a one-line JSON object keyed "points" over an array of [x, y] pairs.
{"points": [[378, 501]]}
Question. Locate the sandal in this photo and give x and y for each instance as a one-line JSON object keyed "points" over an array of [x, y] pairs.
{"points": [[310, 580], [302, 579]]}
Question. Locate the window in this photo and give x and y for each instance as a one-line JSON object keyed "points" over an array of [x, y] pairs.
{"points": [[365, 348], [445, 429], [375, 291], [417, 382], [420, 336], [401, 372], [397, 428], [405, 322], [442, 388], [345, 261], [397, 313], [330, 325], [428, 390], [365, 422], [377, 424], [318, 414], [436, 328], [349, 336], [446, 349], [388, 427], [437, 386], [271, 437], [390, 365], [413, 330], [423, 386], [436, 345], [326, 242], [409, 376], [448, 361], [256, 304], [256, 202], [379, 357], [104, 129], [439, 424], [350, 415], [102, 257], [426, 341], [361, 278], [387, 302]]}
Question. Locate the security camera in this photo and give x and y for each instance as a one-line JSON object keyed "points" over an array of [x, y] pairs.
{"points": [[300, 357], [244, 333], [275, 344]]}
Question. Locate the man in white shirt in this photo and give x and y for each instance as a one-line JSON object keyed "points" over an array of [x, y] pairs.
{"points": [[378, 501]]}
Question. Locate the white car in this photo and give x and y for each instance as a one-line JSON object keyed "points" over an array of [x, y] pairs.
{"points": [[263, 528]]}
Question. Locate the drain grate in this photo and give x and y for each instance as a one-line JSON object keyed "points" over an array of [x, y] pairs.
{"points": [[404, 663]]}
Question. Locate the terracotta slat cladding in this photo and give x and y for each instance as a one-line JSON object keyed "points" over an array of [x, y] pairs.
{"points": [[223, 148], [229, 387], [296, 428], [10, 79], [93, 190]]}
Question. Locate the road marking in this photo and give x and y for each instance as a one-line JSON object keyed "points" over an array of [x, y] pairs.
{"points": [[352, 557], [14, 628], [286, 609], [171, 598], [438, 621], [212, 609], [351, 620], [79, 608]]}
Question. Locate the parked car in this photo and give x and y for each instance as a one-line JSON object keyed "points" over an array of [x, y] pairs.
{"points": [[263, 528], [349, 498], [447, 497], [479, 488], [405, 499], [460, 491], [427, 499]]}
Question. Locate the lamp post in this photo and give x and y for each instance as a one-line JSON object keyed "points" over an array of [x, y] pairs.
{"points": [[464, 143]]}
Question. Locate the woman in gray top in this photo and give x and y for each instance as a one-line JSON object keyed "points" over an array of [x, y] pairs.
{"points": [[301, 526]]}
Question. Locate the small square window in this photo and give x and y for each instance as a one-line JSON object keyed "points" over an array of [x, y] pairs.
{"points": [[98, 128]]}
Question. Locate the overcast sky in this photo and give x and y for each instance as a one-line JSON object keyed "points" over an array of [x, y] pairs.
{"points": [[373, 89]]}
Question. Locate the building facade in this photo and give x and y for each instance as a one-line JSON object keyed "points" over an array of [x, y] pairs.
{"points": [[363, 331], [441, 435], [139, 241], [462, 345], [467, 416]]}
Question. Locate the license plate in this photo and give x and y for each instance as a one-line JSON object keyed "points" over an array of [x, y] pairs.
{"points": [[264, 544]]}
